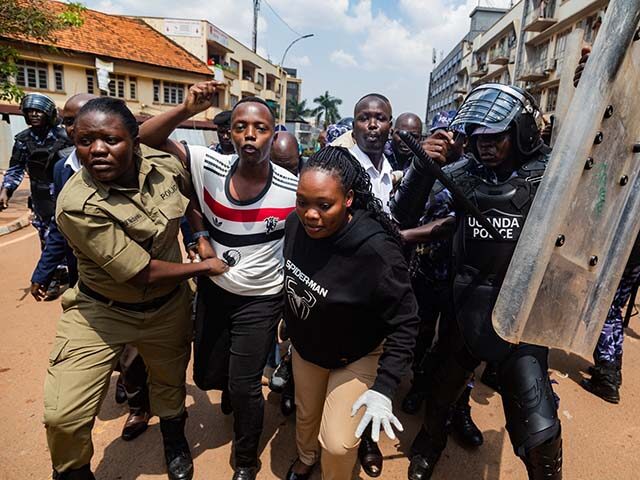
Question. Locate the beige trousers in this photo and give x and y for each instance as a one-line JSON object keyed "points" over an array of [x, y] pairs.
{"points": [[89, 340], [323, 412]]}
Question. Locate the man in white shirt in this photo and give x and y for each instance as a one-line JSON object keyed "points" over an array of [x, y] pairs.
{"points": [[371, 128]]}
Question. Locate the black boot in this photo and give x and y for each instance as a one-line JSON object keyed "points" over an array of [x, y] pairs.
{"points": [[82, 473], [176, 449], [288, 398], [369, 454], [618, 362], [490, 376], [544, 462], [604, 382], [462, 424], [245, 473]]}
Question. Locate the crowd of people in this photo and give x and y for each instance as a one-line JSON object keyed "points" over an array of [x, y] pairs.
{"points": [[357, 257]]}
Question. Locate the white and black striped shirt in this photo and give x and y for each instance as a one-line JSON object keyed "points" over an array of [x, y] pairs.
{"points": [[246, 234]]}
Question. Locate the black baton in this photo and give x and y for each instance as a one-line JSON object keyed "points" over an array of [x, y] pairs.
{"points": [[457, 194]]}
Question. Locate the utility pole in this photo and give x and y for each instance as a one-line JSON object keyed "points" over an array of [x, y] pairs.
{"points": [[256, 10]]}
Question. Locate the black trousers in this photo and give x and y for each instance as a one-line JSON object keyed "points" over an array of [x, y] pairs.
{"points": [[236, 332]]}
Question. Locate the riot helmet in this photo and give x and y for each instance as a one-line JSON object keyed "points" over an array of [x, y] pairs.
{"points": [[496, 108], [42, 103], [347, 122]]}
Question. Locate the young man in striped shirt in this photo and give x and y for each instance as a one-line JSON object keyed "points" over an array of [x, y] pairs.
{"points": [[244, 200]]}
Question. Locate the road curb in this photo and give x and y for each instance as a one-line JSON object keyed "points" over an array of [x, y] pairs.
{"points": [[15, 225]]}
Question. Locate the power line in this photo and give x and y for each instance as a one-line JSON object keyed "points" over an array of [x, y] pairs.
{"points": [[280, 18]]}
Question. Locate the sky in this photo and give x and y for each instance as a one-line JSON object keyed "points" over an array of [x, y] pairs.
{"points": [[359, 46]]}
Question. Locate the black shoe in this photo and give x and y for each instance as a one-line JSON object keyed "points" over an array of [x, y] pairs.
{"points": [[291, 475], [245, 473], [225, 402], [591, 371], [412, 402], [82, 473], [370, 455], [464, 428], [121, 392], [176, 449], [462, 424], [604, 382], [421, 468]]}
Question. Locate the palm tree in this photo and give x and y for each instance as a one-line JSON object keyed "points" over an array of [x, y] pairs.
{"points": [[327, 109], [297, 110]]}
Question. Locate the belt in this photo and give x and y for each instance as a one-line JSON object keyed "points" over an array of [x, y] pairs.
{"points": [[134, 307]]}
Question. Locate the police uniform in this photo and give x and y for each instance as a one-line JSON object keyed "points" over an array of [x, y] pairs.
{"points": [[36, 155], [480, 263], [115, 232]]}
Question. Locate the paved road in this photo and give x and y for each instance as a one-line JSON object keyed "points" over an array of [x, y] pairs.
{"points": [[600, 440]]}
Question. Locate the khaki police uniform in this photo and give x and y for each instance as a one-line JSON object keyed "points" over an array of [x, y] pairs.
{"points": [[115, 232]]}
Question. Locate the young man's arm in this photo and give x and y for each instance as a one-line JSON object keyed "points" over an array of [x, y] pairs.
{"points": [[155, 131]]}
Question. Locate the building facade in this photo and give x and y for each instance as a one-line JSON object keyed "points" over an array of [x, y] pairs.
{"points": [[245, 72], [446, 90], [144, 68], [525, 46]]}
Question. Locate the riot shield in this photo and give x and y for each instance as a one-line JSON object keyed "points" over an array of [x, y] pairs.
{"points": [[586, 213]]}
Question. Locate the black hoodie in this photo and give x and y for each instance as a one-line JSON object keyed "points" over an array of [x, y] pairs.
{"points": [[347, 294]]}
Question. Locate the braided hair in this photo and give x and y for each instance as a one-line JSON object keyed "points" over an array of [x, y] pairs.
{"points": [[339, 162]]}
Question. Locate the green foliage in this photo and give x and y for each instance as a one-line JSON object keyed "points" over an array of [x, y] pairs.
{"points": [[327, 109], [32, 19], [297, 110]]}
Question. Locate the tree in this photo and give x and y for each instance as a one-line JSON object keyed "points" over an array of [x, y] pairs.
{"points": [[297, 110], [327, 109], [29, 19]]}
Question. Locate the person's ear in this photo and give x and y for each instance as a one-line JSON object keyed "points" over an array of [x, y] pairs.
{"points": [[349, 199]]}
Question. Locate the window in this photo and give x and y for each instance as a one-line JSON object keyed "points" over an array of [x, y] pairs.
{"points": [[261, 79], [32, 74], [156, 90], [234, 100], [91, 81], [270, 83], [234, 66], [133, 88], [172, 93], [116, 86], [552, 99], [561, 44], [58, 75]]}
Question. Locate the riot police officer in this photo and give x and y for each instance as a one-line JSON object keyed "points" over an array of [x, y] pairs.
{"points": [[35, 151], [502, 176]]}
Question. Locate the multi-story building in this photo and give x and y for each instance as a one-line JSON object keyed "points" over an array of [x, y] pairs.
{"points": [[545, 27], [526, 47], [246, 72], [146, 69], [445, 90]]}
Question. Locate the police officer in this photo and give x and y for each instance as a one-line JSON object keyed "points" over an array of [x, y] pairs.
{"points": [[35, 151], [121, 215], [502, 179]]}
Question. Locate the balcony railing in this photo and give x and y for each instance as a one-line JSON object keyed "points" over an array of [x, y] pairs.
{"points": [[541, 17], [499, 56], [480, 70], [538, 71]]}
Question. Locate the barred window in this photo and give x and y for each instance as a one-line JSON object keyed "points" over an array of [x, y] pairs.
{"points": [[156, 90], [91, 81], [32, 74], [133, 88], [58, 75], [116, 86], [173, 93]]}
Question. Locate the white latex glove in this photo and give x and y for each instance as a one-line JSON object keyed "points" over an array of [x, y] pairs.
{"points": [[379, 411]]}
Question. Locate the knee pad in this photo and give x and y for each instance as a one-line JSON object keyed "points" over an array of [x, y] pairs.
{"points": [[528, 400]]}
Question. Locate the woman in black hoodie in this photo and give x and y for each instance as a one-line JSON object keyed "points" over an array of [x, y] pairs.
{"points": [[350, 311]]}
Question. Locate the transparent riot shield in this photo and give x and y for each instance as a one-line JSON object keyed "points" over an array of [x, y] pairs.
{"points": [[586, 214]]}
